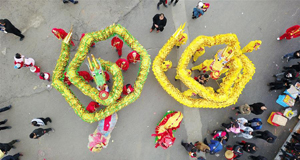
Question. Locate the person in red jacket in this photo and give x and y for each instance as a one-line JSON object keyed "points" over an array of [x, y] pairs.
{"points": [[35, 69], [292, 32], [82, 35], [45, 76], [92, 106], [123, 64], [118, 44], [127, 89], [107, 77], [133, 57], [61, 34], [84, 74]]}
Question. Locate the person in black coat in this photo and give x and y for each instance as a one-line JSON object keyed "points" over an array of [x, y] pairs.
{"points": [[37, 133], [190, 148], [289, 74], [14, 157], [293, 146], [6, 147], [295, 67], [266, 135], [161, 2], [257, 108], [248, 147], [8, 27], [283, 84], [296, 136], [258, 157], [159, 22]]}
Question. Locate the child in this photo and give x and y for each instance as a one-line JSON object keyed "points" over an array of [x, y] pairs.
{"points": [[45, 76], [118, 44]]}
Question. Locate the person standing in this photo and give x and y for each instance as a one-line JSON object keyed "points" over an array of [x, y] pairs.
{"points": [[159, 22], [72, 1], [14, 157], [164, 2], [282, 84], [37, 133], [40, 121], [292, 32], [215, 146], [123, 64], [247, 133], [289, 74], [255, 123], [45, 76], [292, 55], [265, 135], [133, 57], [7, 27], [6, 147], [117, 43], [127, 89], [190, 148], [257, 108], [200, 9], [5, 108], [248, 147], [295, 67], [174, 2]]}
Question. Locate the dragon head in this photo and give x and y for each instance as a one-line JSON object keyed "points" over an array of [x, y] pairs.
{"points": [[97, 72], [221, 58]]}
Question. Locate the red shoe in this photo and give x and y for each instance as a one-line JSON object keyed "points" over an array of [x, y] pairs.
{"points": [[151, 30]]}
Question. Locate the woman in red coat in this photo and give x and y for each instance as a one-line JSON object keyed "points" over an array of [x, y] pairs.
{"points": [[118, 44], [290, 33], [123, 64], [61, 34]]}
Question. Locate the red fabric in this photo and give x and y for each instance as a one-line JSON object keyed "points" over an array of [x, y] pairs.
{"points": [[42, 78], [107, 78], [87, 77], [92, 106], [292, 32], [82, 35], [124, 66], [37, 69], [61, 34], [21, 63], [132, 59], [66, 80], [125, 89], [106, 123], [118, 44]]}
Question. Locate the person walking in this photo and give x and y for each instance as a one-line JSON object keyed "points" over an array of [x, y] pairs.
{"points": [[45, 76], [290, 33], [14, 157], [200, 9], [5, 108], [7, 27], [295, 66], [164, 2], [159, 22], [257, 108], [21, 60], [289, 74], [37, 133], [123, 64], [243, 109], [40, 121], [292, 55], [117, 43], [277, 85], [265, 135], [174, 2], [6, 147], [190, 148], [248, 147], [72, 1]]}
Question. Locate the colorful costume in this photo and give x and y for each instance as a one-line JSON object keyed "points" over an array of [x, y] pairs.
{"points": [[35, 69], [133, 57], [198, 53], [82, 35], [290, 33], [84, 74], [118, 44], [92, 106], [253, 45], [182, 40], [46, 76], [164, 132], [61, 34], [100, 138], [123, 64], [127, 89], [166, 65], [19, 62]]}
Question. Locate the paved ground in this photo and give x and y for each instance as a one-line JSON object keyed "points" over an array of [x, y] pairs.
{"points": [[250, 20]]}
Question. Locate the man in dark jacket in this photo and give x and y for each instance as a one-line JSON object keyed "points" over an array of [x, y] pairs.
{"points": [[289, 74], [248, 147], [283, 84], [6, 147], [14, 157], [266, 135], [37, 133], [190, 148], [295, 66], [7, 27], [293, 55], [159, 22], [257, 108]]}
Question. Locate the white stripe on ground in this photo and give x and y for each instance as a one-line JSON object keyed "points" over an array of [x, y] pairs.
{"points": [[192, 118]]}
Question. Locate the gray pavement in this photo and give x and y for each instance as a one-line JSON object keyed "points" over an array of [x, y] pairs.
{"points": [[250, 20]]}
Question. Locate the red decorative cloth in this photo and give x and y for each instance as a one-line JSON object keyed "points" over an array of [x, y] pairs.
{"points": [[107, 77], [292, 32], [118, 44], [123, 64], [61, 34], [133, 57], [92, 106], [82, 35], [86, 76]]}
